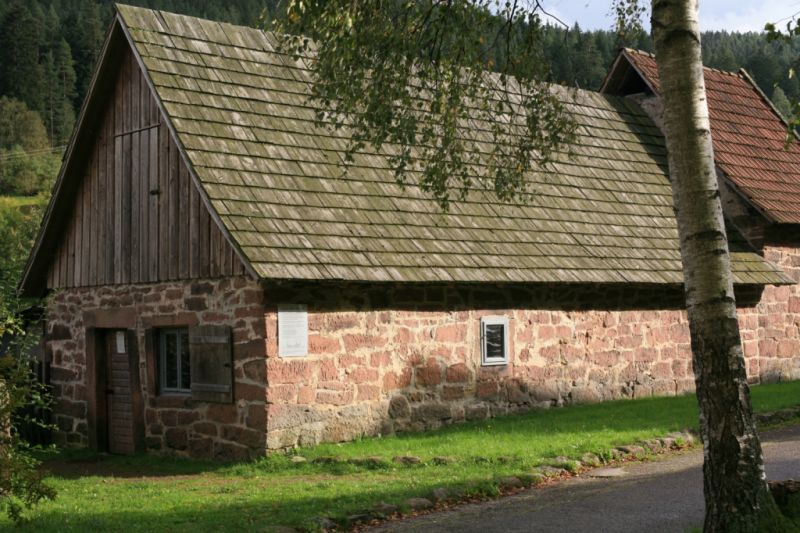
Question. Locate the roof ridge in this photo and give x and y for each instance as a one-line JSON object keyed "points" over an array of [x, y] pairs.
{"points": [[705, 67]]}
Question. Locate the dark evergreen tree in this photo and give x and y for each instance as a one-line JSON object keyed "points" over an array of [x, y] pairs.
{"points": [[20, 71]]}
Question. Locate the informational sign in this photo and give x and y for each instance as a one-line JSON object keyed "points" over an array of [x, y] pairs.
{"points": [[120, 338], [292, 330]]}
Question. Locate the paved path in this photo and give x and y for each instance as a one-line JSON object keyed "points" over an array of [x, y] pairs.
{"points": [[659, 496]]}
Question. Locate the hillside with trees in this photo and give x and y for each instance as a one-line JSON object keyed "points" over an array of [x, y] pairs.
{"points": [[48, 49]]}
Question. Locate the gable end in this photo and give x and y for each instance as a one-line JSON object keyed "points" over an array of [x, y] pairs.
{"points": [[126, 208]]}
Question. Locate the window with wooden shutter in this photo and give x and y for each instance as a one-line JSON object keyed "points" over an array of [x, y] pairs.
{"points": [[212, 363], [173, 360]]}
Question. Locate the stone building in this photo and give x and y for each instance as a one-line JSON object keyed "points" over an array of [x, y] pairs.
{"points": [[220, 286]]}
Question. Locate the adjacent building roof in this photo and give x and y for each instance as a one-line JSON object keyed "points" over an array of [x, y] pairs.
{"points": [[748, 133], [241, 115]]}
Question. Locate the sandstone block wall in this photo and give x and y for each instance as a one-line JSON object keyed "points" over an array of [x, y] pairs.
{"points": [[771, 329], [393, 359], [173, 423]]}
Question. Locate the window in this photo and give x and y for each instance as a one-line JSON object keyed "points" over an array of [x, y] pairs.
{"points": [[494, 340], [173, 360]]}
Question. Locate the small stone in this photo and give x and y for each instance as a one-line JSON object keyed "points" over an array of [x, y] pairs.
{"points": [[633, 449], [510, 482], [298, 459], [327, 460], [441, 494], [419, 504], [680, 438], [667, 442], [549, 471], [385, 509], [361, 517], [442, 460], [654, 445], [325, 524], [373, 461], [532, 479], [407, 459], [607, 472], [590, 459], [399, 407], [565, 463]]}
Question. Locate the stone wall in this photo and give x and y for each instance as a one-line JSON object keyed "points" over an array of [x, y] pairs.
{"points": [[393, 359], [771, 329], [175, 423]]}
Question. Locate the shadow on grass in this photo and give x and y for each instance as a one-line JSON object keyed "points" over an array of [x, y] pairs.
{"points": [[80, 463]]}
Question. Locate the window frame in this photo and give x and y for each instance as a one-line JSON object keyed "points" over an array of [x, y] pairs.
{"points": [[161, 335], [494, 321]]}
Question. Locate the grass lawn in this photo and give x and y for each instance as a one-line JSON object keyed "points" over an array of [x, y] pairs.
{"points": [[18, 201], [103, 493]]}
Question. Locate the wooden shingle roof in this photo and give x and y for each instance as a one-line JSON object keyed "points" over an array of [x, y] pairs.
{"points": [[241, 113], [749, 138]]}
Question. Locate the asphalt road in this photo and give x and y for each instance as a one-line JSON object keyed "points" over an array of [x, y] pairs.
{"points": [[659, 496]]}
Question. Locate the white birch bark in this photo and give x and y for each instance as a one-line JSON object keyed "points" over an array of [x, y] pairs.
{"points": [[736, 493]]}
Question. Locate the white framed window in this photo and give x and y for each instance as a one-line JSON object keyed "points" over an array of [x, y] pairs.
{"points": [[175, 369], [494, 340]]}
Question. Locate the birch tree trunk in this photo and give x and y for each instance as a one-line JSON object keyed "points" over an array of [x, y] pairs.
{"points": [[736, 493]]}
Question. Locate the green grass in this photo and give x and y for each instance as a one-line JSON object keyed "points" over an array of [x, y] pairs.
{"points": [[143, 493], [18, 201]]}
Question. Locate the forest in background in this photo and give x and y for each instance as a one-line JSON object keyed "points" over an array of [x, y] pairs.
{"points": [[48, 49]]}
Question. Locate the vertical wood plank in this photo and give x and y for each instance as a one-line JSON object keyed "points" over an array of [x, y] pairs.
{"points": [[229, 260], [95, 206], [154, 112], [86, 246], [175, 196], [203, 238], [119, 164], [215, 252], [144, 202], [164, 203], [125, 257], [100, 206], [184, 215], [71, 253], [155, 207], [134, 205], [77, 233], [133, 86], [118, 102], [194, 230], [110, 206]]}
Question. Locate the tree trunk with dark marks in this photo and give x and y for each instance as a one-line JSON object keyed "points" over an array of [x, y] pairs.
{"points": [[736, 493]]}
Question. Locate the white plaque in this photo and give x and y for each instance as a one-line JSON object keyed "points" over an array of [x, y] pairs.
{"points": [[120, 338], [292, 330]]}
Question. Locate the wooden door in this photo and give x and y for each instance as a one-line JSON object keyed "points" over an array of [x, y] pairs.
{"points": [[118, 392]]}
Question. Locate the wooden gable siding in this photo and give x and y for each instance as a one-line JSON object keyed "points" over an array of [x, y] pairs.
{"points": [[137, 216]]}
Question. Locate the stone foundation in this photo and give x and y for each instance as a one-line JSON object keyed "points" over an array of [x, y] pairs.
{"points": [[393, 359], [173, 423]]}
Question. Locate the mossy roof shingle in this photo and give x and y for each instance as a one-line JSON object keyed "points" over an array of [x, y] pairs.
{"points": [[242, 114]]}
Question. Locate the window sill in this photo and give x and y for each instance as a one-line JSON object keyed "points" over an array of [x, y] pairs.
{"points": [[173, 400]]}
